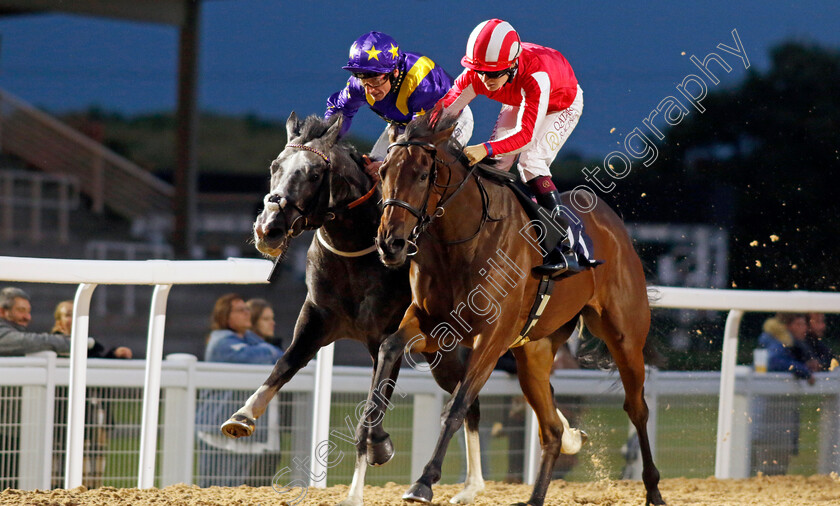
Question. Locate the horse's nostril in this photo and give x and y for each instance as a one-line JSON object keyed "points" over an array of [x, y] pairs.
{"points": [[274, 232], [397, 245]]}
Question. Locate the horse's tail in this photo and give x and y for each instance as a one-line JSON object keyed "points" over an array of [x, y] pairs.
{"points": [[650, 350], [593, 353]]}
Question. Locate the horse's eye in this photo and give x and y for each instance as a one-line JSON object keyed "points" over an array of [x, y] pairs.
{"points": [[424, 176], [314, 177]]}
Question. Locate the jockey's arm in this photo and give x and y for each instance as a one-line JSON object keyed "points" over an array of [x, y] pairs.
{"points": [[347, 101]]}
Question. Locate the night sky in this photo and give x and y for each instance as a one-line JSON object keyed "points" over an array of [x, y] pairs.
{"points": [[268, 57]]}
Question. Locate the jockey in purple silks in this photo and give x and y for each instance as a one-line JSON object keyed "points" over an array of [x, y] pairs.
{"points": [[396, 84]]}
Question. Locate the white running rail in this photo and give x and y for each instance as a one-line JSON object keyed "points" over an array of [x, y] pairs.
{"points": [[165, 273]]}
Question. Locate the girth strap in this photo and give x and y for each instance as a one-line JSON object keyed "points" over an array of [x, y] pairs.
{"points": [[540, 303]]}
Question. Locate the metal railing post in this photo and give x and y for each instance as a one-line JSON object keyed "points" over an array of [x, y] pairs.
{"points": [[179, 425], [78, 381], [723, 463], [321, 414], [151, 390], [533, 449]]}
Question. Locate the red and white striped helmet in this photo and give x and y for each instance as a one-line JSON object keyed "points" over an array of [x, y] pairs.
{"points": [[493, 45]]}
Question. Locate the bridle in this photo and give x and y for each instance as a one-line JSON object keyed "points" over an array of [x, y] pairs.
{"points": [[304, 214], [424, 219]]}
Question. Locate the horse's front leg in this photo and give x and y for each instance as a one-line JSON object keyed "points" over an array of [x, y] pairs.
{"points": [[310, 336], [448, 373], [480, 365], [386, 370], [373, 444]]}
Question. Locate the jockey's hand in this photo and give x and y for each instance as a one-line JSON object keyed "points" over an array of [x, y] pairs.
{"points": [[475, 153], [372, 167]]}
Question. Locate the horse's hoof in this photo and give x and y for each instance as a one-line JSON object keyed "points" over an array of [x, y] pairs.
{"points": [[380, 453], [467, 496], [519, 504], [419, 493], [350, 502], [238, 426], [654, 497], [584, 437]]}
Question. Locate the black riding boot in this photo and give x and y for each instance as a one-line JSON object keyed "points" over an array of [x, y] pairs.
{"points": [[561, 261]]}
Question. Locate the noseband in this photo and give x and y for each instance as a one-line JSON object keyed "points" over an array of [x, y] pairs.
{"points": [[423, 218]]}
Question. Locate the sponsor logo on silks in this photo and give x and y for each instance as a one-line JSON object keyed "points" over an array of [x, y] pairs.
{"points": [[552, 139]]}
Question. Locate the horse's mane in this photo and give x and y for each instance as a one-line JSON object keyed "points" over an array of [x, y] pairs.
{"points": [[315, 127], [421, 127]]}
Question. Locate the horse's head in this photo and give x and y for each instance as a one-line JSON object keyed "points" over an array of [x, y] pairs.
{"points": [[299, 198], [408, 177]]}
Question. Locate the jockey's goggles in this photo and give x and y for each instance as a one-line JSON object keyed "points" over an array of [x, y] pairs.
{"points": [[371, 79], [494, 74]]}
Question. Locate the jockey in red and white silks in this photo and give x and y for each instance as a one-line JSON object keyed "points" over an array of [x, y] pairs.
{"points": [[542, 103]]}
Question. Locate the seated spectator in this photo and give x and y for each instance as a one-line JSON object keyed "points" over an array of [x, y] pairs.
{"points": [[231, 340], [787, 349], [816, 340], [63, 315], [262, 321]]}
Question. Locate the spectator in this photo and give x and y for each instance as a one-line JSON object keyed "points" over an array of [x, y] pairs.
{"points": [[15, 315], [815, 338], [784, 338], [63, 315], [776, 417], [231, 340], [262, 321]]}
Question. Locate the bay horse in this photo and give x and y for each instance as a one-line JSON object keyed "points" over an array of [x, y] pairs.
{"points": [[472, 250], [318, 183]]}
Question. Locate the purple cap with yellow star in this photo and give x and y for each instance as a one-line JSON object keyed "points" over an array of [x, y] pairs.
{"points": [[373, 52]]}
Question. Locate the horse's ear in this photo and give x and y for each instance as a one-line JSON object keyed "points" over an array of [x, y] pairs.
{"points": [[443, 135], [393, 133], [292, 127], [331, 135]]}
